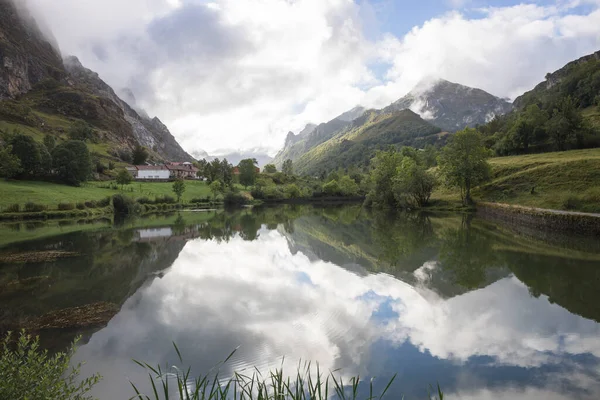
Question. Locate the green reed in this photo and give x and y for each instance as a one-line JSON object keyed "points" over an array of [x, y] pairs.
{"points": [[309, 383]]}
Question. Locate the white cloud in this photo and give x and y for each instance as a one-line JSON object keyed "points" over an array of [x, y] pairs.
{"points": [[272, 303], [231, 74]]}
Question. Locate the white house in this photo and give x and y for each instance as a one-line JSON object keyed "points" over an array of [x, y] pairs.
{"points": [[153, 172]]}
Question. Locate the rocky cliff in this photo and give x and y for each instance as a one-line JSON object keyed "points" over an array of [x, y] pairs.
{"points": [[451, 106], [149, 132], [26, 56], [43, 94]]}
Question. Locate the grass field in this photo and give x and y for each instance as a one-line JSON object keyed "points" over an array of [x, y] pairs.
{"points": [[52, 194], [568, 180]]}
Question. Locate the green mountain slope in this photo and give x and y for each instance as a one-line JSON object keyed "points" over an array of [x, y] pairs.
{"points": [[40, 94], [374, 130], [579, 79]]}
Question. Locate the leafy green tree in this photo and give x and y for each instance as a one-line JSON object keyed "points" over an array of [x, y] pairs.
{"points": [[179, 188], [248, 172], [292, 191], [202, 166], [124, 177], [332, 188], [385, 164], [413, 185], [288, 167], [10, 165], [49, 142], [111, 165], [430, 156], [226, 172], [71, 162], [566, 124], [463, 162], [216, 188], [139, 155], [81, 130], [28, 153], [270, 168], [348, 187], [28, 372]]}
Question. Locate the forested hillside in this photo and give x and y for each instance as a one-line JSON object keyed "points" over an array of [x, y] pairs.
{"points": [[558, 114]]}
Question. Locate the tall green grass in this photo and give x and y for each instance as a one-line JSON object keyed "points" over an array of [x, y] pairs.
{"points": [[309, 383]]}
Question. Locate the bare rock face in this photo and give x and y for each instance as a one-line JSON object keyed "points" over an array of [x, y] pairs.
{"points": [[151, 133], [451, 106], [26, 56]]}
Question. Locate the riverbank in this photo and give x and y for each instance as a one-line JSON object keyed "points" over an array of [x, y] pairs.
{"points": [[542, 219]]}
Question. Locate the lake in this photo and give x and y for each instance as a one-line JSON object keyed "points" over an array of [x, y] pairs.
{"points": [[485, 310]]}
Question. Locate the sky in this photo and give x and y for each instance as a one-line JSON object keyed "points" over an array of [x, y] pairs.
{"points": [[228, 75]]}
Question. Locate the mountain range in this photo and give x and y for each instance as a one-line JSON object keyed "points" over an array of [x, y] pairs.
{"points": [[43, 94], [424, 116]]}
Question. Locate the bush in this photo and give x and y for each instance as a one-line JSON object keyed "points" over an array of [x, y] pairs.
{"points": [[571, 203], [32, 207], [123, 204], [111, 165], [332, 188], [105, 202], [27, 372], [91, 204], [80, 206], [292, 191], [164, 200], [66, 206], [144, 200], [200, 200], [234, 198], [13, 208]]}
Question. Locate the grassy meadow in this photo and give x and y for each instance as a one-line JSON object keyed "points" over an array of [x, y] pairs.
{"points": [[568, 180], [51, 194]]}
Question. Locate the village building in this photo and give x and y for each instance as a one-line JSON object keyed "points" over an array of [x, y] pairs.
{"points": [[182, 170], [152, 172], [163, 172]]}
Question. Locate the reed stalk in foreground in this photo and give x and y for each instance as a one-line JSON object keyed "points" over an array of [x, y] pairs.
{"points": [[309, 383]]}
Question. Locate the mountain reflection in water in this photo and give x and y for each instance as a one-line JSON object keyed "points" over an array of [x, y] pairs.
{"points": [[451, 299]]}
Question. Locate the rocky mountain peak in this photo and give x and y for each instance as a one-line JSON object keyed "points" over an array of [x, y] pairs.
{"points": [[451, 106], [27, 56]]}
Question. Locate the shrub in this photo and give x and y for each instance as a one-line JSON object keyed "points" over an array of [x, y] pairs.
{"points": [[80, 206], [91, 204], [13, 208], [105, 202], [164, 200], [32, 207], [571, 203], [292, 191], [200, 200], [234, 198], [123, 204], [66, 206], [332, 188], [111, 165], [27, 372], [144, 200]]}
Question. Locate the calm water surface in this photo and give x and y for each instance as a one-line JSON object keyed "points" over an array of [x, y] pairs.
{"points": [[485, 311]]}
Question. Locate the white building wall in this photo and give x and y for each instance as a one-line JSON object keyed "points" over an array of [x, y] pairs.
{"points": [[154, 174]]}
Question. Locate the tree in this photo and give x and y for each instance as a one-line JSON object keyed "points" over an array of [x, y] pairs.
{"points": [[288, 167], [463, 162], [81, 131], [49, 142], [332, 188], [179, 188], [566, 123], [226, 172], [348, 186], [10, 165], [202, 166], [385, 164], [413, 185], [216, 188], [248, 172], [71, 162], [124, 177], [139, 155], [28, 153], [270, 168]]}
